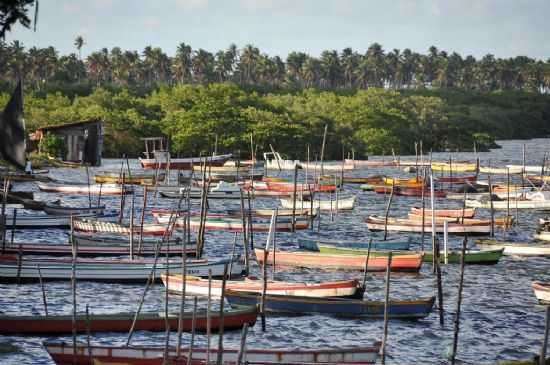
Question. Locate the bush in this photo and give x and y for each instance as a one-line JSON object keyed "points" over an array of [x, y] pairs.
{"points": [[53, 145]]}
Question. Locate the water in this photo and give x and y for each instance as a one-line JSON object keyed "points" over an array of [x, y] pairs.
{"points": [[500, 319]]}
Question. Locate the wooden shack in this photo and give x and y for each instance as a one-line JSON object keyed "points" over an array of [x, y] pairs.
{"points": [[84, 140]]}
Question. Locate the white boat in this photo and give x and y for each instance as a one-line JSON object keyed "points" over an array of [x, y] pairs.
{"points": [[92, 189], [36, 221], [513, 204], [55, 208], [163, 160], [533, 169], [341, 204], [273, 161], [327, 166], [97, 226], [84, 240], [515, 248], [542, 291], [115, 270]]}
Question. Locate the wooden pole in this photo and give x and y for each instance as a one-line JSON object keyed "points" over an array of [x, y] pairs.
{"points": [[122, 201], [432, 193], [73, 291], [323, 150], [508, 198], [342, 172], [388, 210], [367, 265], [294, 199], [3, 217], [232, 253], [245, 239], [492, 208], [208, 318], [193, 329], [542, 357], [517, 210], [459, 299], [132, 229], [43, 290], [89, 192], [439, 284], [250, 226], [386, 309], [445, 240], [523, 169], [423, 209], [219, 360], [182, 299], [99, 195], [142, 220], [242, 348], [264, 287], [13, 225]]}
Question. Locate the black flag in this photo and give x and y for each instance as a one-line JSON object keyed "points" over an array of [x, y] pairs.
{"points": [[12, 130]]}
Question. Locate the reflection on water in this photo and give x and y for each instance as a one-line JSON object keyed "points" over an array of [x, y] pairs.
{"points": [[500, 318]]}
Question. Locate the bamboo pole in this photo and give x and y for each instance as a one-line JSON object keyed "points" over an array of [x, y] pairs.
{"points": [[523, 169], [423, 209], [3, 220], [323, 149], [432, 198], [208, 318], [445, 240], [183, 290], [232, 254], [166, 300], [459, 300], [132, 229], [388, 210], [542, 356], [294, 199], [89, 192], [193, 329], [250, 225], [264, 287], [492, 207], [73, 291], [245, 240], [142, 220], [13, 225], [386, 309], [89, 348], [508, 198], [43, 289], [219, 360]]}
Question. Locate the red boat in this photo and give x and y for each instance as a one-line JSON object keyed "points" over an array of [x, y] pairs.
{"points": [[62, 354], [403, 263], [122, 322]]}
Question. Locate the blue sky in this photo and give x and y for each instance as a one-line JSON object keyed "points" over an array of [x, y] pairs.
{"points": [[505, 28]]}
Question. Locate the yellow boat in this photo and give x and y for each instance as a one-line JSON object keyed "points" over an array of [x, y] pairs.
{"points": [[137, 179], [455, 167], [409, 183]]}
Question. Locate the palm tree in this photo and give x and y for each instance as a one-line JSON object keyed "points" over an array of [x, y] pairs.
{"points": [[332, 71], [181, 65], [248, 63], [375, 61], [79, 43], [203, 65], [350, 62]]}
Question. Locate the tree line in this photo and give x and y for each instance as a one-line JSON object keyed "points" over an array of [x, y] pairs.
{"points": [[333, 70]]}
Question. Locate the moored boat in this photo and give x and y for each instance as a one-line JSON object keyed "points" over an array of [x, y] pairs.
{"points": [[511, 204], [97, 226], [198, 286], [162, 160], [93, 189], [340, 307], [466, 213], [375, 223], [62, 354], [340, 204], [403, 263], [515, 248], [38, 221], [122, 322], [55, 208], [313, 244], [542, 291]]}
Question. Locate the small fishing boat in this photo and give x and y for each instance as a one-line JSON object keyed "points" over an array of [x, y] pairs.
{"points": [[408, 183], [378, 179], [370, 163], [483, 257], [40, 221], [500, 170], [25, 269], [97, 226], [214, 223], [512, 204], [506, 221], [542, 291], [220, 190], [274, 161], [404, 191], [198, 286], [403, 263], [340, 204], [340, 307], [313, 245], [312, 166], [55, 208], [92, 189], [63, 354], [122, 322], [375, 223], [163, 160], [456, 179], [528, 168], [515, 248], [454, 167], [457, 213], [133, 178], [269, 212]]}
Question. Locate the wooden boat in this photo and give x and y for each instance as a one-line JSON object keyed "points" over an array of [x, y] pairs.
{"points": [[93, 189], [163, 160], [484, 257], [515, 248], [340, 204], [269, 212], [542, 291], [542, 235], [340, 307], [133, 178], [528, 168], [454, 167], [274, 161], [485, 195], [378, 179], [147, 244], [370, 163], [97, 226], [506, 221], [236, 224], [375, 223], [122, 322], [55, 208], [409, 183], [62, 354], [198, 286], [404, 191], [499, 170], [313, 245], [403, 263], [115, 270], [513, 204], [289, 187], [197, 194], [456, 213], [312, 166], [38, 221]]}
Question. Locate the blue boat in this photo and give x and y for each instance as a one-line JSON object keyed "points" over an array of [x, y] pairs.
{"points": [[340, 307], [312, 244]]}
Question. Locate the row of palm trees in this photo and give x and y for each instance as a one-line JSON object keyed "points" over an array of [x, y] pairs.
{"points": [[347, 69]]}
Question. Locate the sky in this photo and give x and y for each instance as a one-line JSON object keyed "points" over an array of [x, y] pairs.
{"points": [[504, 28]]}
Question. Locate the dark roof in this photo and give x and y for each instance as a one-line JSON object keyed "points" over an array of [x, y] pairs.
{"points": [[69, 125]]}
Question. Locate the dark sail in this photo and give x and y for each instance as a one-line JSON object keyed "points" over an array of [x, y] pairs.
{"points": [[12, 130]]}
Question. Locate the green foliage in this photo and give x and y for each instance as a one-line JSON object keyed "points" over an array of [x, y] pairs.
{"points": [[53, 145]]}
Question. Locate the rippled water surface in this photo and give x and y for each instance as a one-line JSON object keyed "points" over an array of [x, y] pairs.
{"points": [[500, 319]]}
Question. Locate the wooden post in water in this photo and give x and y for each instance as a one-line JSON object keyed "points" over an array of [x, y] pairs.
{"points": [[89, 192], [523, 169], [432, 197], [193, 326], [508, 198], [323, 150], [516, 201], [294, 199], [3, 215], [250, 225], [492, 208], [142, 218], [73, 291], [542, 356], [43, 290], [245, 240], [242, 347], [386, 309], [209, 318], [183, 290], [388, 210], [219, 360], [445, 240], [459, 299], [423, 208], [132, 229], [13, 225], [367, 265], [122, 200]]}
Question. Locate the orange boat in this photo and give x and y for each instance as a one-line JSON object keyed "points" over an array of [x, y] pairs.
{"points": [[400, 263], [409, 183]]}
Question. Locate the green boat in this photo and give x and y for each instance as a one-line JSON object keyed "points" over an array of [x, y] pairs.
{"points": [[482, 257]]}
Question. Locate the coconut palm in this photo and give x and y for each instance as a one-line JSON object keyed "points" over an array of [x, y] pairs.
{"points": [[79, 43]]}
